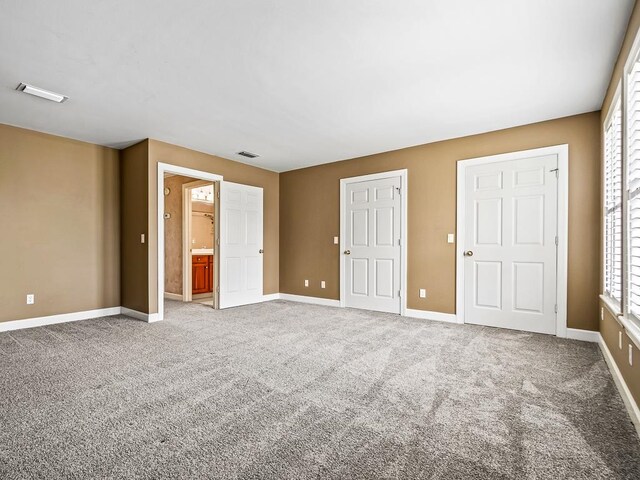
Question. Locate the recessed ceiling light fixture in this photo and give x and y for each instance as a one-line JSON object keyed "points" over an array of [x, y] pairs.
{"points": [[42, 93], [248, 154]]}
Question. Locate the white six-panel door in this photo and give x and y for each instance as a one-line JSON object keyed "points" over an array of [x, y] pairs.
{"points": [[240, 251], [372, 245], [510, 244]]}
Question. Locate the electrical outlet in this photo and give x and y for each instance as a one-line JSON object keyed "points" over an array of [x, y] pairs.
{"points": [[620, 340], [423, 293], [450, 238], [31, 299], [306, 283], [323, 284], [602, 313], [336, 240], [630, 354]]}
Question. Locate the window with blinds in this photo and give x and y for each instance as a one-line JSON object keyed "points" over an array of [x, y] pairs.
{"points": [[632, 190], [613, 204]]}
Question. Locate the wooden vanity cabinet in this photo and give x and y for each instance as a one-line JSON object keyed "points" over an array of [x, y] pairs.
{"points": [[201, 274]]}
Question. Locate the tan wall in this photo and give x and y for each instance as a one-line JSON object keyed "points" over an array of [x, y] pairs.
{"points": [[309, 213], [60, 229], [134, 260], [173, 231], [231, 171], [609, 326], [202, 230], [609, 329]]}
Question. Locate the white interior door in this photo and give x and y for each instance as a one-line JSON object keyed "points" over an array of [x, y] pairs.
{"points": [[372, 245], [240, 251], [510, 247]]}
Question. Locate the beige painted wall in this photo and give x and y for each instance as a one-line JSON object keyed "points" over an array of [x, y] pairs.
{"points": [[173, 231], [609, 327], [231, 171], [309, 214], [134, 258], [59, 214]]}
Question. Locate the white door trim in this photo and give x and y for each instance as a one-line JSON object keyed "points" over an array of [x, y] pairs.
{"points": [[403, 229], [187, 172], [562, 151], [186, 237]]}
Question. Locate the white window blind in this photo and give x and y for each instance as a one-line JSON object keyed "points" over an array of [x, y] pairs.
{"points": [[633, 190], [613, 204]]}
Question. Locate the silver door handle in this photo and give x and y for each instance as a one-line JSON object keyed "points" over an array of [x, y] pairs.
{"points": [[468, 253], [261, 251], [347, 252]]}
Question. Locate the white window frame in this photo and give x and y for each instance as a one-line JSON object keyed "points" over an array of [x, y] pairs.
{"points": [[609, 118], [629, 323]]}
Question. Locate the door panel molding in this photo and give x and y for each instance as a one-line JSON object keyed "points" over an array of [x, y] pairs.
{"points": [[364, 197], [533, 177]]}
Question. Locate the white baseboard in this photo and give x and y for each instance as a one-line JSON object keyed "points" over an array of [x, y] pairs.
{"points": [[583, 335], [270, 296], [427, 315], [61, 318], [145, 317], [172, 296], [327, 302], [625, 393]]}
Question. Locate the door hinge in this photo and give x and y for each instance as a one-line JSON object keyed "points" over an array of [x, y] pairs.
{"points": [[399, 241], [218, 241], [557, 242], [218, 194], [399, 293], [218, 289], [555, 308]]}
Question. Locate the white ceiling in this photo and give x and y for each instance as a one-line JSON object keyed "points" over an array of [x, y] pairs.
{"points": [[303, 82]]}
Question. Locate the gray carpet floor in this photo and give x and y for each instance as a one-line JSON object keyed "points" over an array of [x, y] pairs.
{"points": [[286, 390]]}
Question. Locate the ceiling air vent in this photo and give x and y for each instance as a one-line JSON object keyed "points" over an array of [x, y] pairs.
{"points": [[248, 154]]}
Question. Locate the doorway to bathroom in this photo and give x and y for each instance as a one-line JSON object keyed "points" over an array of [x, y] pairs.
{"points": [[191, 272]]}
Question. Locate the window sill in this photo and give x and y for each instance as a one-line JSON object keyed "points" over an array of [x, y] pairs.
{"points": [[629, 326]]}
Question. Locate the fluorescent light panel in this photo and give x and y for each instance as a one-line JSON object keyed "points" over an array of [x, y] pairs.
{"points": [[42, 93]]}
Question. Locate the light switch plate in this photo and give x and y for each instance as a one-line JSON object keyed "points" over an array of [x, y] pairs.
{"points": [[451, 238], [31, 299], [306, 283], [323, 284], [336, 240], [142, 238], [423, 293], [630, 354]]}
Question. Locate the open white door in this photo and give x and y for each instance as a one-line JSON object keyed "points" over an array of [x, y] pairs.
{"points": [[372, 239], [510, 244], [240, 249]]}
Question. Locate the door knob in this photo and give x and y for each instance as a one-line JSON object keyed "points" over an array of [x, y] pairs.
{"points": [[468, 253], [347, 252], [261, 251]]}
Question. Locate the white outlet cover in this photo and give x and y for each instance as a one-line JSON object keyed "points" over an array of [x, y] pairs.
{"points": [[336, 240], [31, 299], [630, 354], [306, 283], [323, 284], [450, 238], [423, 293]]}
